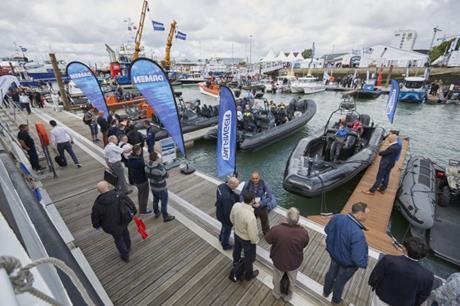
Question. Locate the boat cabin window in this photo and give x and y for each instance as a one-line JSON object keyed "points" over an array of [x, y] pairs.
{"points": [[414, 84]]}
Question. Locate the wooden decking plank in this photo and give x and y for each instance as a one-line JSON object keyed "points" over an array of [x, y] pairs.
{"points": [[249, 294]]}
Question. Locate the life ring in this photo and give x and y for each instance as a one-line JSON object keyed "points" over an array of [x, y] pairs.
{"points": [[42, 133]]}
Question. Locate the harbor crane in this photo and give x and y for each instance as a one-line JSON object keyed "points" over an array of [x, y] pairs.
{"points": [[172, 30], [140, 30]]}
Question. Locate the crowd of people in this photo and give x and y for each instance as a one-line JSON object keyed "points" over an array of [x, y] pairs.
{"points": [[24, 99]]}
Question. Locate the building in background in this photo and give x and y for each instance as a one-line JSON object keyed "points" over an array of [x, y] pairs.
{"points": [[404, 39], [386, 56]]}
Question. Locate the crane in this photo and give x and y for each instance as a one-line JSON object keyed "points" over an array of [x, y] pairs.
{"points": [[140, 29], [172, 30]]}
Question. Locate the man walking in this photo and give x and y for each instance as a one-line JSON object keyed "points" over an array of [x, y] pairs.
{"points": [[347, 247], [28, 144], [112, 154], [63, 142], [226, 197], [389, 157], [157, 174], [136, 170], [106, 214], [264, 199], [24, 101], [246, 234], [401, 280]]}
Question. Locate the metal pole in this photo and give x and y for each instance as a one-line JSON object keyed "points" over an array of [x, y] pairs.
{"points": [[435, 30], [250, 49], [58, 75]]}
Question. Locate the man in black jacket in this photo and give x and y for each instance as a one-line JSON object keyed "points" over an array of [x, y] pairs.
{"points": [[401, 280], [106, 215], [134, 136], [136, 171], [226, 197], [389, 157], [104, 125]]}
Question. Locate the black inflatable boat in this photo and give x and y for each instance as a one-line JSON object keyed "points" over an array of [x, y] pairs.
{"points": [[269, 130], [310, 169]]}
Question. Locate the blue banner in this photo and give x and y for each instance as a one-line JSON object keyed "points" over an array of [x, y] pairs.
{"points": [[158, 26], [152, 82], [87, 82], [226, 133], [393, 99], [181, 35]]}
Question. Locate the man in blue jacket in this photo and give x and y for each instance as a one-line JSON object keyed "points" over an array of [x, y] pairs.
{"points": [[347, 246], [389, 157], [265, 200], [226, 197]]}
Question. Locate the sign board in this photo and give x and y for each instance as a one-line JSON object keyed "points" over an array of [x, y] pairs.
{"points": [[168, 152]]}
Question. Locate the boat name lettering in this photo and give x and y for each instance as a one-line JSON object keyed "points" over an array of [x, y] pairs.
{"points": [[80, 75], [148, 78], [226, 134]]}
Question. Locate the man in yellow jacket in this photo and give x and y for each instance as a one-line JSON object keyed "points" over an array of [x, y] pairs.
{"points": [[246, 234]]}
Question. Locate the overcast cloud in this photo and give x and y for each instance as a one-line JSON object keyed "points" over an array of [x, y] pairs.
{"points": [[78, 29]]}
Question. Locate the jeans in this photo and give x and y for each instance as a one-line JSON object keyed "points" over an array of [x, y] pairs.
{"points": [[33, 158], [163, 197], [27, 107], [383, 177], [277, 276], [143, 196], [336, 279], [123, 242], [224, 235], [93, 128], [105, 139], [249, 255], [262, 213], [67, 146], [119, 172], [150, 146]]}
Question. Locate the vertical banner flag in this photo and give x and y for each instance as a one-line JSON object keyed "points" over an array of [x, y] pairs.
{"points": [[158, 26], [393, 99], [87, 82], [152, 82], [325, 76], [226, 133]]}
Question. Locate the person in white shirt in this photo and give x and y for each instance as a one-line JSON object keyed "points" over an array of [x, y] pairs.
{"points": [[24, 100], [63, 142], [127, 147], [55, 99], [112, 154], [246, 234]]}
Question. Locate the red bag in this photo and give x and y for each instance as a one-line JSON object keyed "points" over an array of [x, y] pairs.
{"points": [[140, 225]]}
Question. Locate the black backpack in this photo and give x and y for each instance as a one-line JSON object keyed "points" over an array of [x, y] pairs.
{"points": [[236, 274], [127, 209], [284, 284]]}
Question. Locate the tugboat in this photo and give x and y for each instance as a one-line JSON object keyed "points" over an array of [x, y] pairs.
{"points": [[414, 90], [271, 123], [429, 199], [311, 170]]}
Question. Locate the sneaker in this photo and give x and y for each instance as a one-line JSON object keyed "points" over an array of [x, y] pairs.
{"points": [[227, 247], [125, 258], [129, 191], [368, 192], [381, 191], [147, 212], [78, 166], [254, 275], [169, 218], [157, 214]]}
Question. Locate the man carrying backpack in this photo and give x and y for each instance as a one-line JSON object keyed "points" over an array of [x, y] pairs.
{"points": [[112, 211]]}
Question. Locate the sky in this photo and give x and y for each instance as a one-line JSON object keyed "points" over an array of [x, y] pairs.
{"points": [[78, 29]]}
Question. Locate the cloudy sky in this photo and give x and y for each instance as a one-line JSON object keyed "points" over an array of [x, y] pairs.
{"points": [[78, 29]]}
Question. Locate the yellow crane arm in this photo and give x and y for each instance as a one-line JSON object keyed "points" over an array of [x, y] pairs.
{"points": [[172, 30], [140, 29]]}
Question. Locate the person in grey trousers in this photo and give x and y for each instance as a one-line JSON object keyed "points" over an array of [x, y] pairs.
{"points": [[136, 170], [157, 174], [112, 154]]}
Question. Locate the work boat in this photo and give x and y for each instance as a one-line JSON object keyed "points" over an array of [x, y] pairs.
{"points": [[307, 85], [369, 91], [429, 198], [413, 90], [209, 89], [268, 129], [310, 170]]}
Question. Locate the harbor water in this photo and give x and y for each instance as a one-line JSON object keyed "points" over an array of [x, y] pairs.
{"points": [[432, 129]]}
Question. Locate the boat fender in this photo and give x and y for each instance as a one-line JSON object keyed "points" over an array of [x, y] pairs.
{"points": [[42, 134]]}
